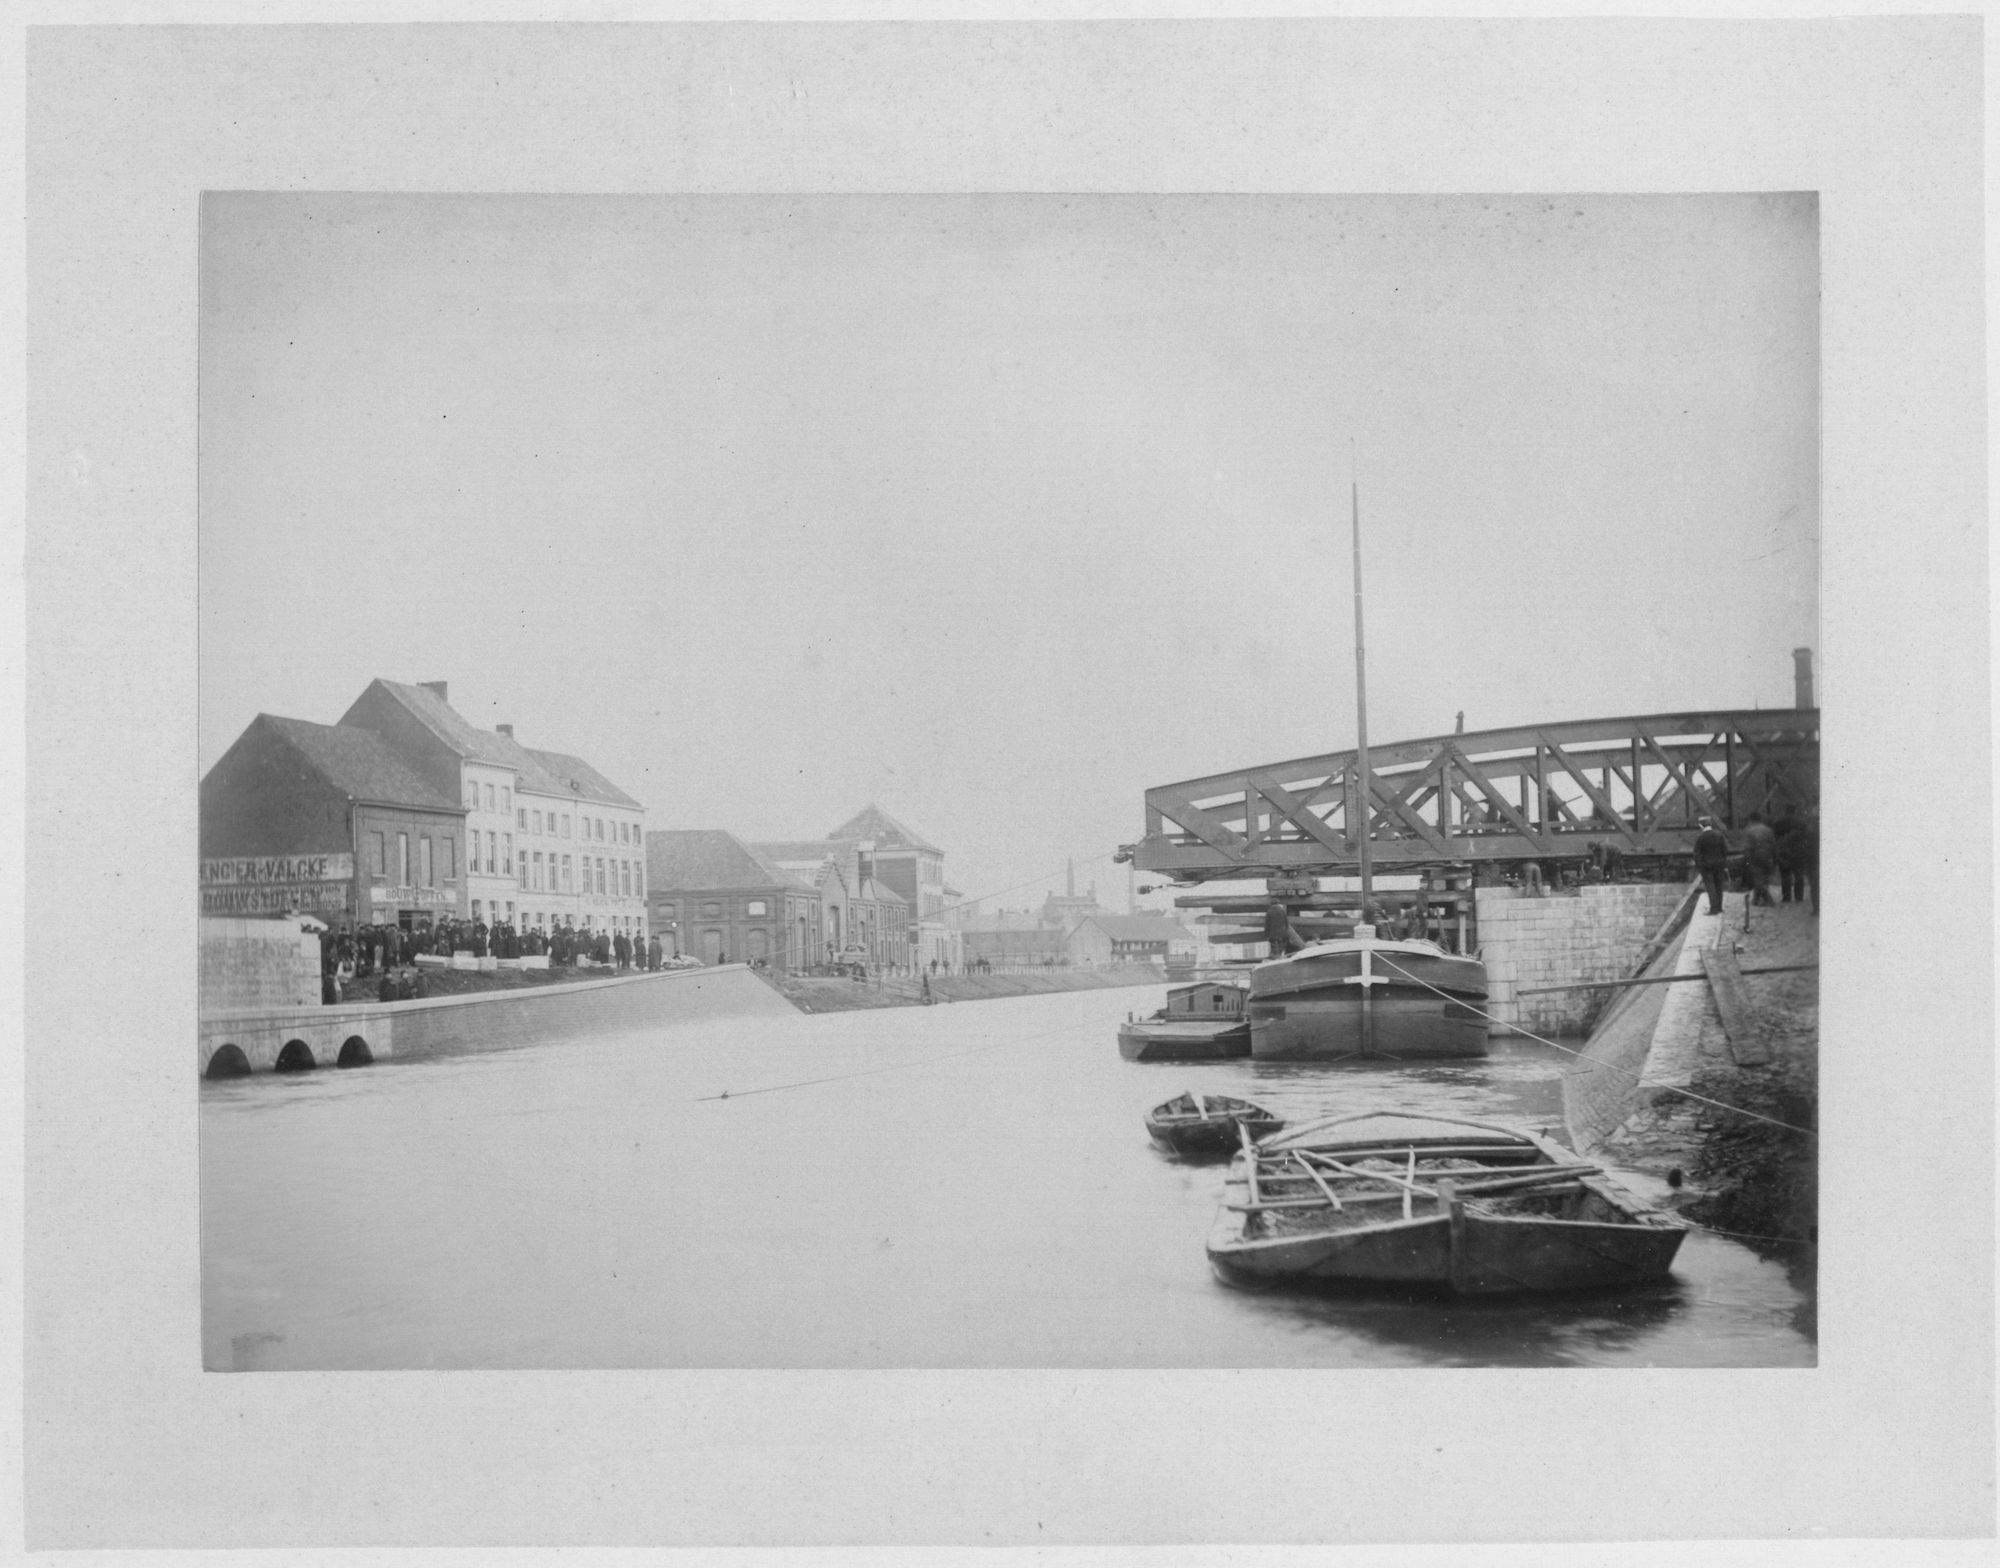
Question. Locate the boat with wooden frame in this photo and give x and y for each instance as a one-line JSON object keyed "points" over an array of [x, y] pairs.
{"points": [[1390, 1198], [1208, 1124], [1203, 1022]]}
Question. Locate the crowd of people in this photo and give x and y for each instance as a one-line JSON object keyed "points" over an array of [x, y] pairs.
{"points": [[391, 951]]}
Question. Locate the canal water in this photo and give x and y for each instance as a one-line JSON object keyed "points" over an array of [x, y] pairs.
{"points": [[966, 1185]]}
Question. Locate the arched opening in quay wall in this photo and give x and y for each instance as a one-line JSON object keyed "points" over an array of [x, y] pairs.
{"points": [[228, 1062], [296, 1057], [354, 1052]]}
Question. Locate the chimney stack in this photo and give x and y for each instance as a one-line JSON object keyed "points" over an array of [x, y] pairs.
{"points": [[437, 687], [1802, 678], [505, 729]]}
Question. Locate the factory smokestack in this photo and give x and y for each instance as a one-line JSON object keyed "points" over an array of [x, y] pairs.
{"points": [[1802, 678]]}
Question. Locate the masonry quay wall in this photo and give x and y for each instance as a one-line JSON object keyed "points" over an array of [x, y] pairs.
{"points": [[261, 1039], [1562, 938]]}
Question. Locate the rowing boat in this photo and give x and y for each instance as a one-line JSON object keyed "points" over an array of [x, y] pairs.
{"points": [[1212, 1124], [1387, 1197]]}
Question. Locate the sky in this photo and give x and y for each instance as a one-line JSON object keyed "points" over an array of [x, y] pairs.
{"points": [[998, 510]]}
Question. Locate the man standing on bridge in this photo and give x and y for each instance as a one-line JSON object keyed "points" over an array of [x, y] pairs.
{"points": [[1711, 858]]}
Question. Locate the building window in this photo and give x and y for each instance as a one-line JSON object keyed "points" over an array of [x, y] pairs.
{"points": [[506, 854], [377, 851], [402, 860], [424, 861], [489, 797], [566, 878], [602, 889], [600, 830], [450, 858], [471, 796], [510, 911], [521, 819], [565, 824], [624, 879], [538, 824], [757, 906], [492, 850], [506, 804], [639, 879]]}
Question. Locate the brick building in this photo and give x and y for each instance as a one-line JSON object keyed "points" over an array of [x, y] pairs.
{"points": [[912, 868], [713, 896], [550, 840], [329, 820]]}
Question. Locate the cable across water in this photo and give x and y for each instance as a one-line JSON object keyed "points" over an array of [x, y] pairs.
{"points": [[1637, 1077]]}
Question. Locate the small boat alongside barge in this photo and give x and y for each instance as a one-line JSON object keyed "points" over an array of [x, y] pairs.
{"points": [[1390, 1198], [1200, 1023]]}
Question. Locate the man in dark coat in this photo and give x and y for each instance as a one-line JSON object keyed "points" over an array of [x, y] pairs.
{"points": [[1760, 857], [1711, 859], [1791, 877], [621, 950], [653, 952]]}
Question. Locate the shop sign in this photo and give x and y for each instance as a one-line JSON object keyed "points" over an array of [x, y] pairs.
{"points": [[275, 898], [267, 869], [434, 897]]}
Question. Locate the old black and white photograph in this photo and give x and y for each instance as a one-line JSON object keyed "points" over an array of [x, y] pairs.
{"points": [[719, 899], [1207, 788]]}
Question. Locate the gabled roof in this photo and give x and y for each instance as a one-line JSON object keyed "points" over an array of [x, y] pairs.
{"points": [[449, 725], [574, 776], [801, 851], [707, 859], [881, 893], [358, 764], [539, 772], [872, 822], [1139, 928]]}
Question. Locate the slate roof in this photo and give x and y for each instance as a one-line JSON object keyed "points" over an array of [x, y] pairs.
{"points": [[802, 851], [451, 726], [574, 776], [539, 772], [707, 859], [872, 822], [1140, 928], [358, 764]]}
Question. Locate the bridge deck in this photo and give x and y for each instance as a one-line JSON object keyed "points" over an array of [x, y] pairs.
{"points": [[1536, 792]]}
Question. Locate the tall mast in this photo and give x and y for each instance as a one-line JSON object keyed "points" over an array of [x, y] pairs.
{"points": [[1361, 715]]}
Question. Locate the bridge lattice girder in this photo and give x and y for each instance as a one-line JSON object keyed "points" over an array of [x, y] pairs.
{"points": [[1539, 792]]}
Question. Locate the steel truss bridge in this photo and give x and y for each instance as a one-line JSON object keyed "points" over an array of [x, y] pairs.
{"points": [[1542, 792]]}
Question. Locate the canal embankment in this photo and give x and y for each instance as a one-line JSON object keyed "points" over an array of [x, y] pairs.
{"points": [[1714, 1074], [824, 994], [281, 1038]]}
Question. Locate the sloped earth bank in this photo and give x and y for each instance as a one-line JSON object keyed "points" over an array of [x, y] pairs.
{"points": [[814, 994], [1751, 1179]]}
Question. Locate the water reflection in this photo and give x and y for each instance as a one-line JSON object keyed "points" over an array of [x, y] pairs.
{"points": [[1588, 1328]]}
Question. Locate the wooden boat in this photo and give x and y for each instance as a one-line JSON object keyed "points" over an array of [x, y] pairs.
{"points": [[1368, 996], [1213, 1124], [1389, 1198], [1200, 1023]]}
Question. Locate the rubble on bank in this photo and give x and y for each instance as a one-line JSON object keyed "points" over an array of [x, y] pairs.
{"points": [[1752, 1176]]}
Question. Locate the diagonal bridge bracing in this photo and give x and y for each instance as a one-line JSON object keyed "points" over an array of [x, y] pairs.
{"points": [[1538, 792]]}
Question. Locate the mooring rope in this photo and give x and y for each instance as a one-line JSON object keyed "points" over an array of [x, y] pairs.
{"points": [[1637, 1077]]}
